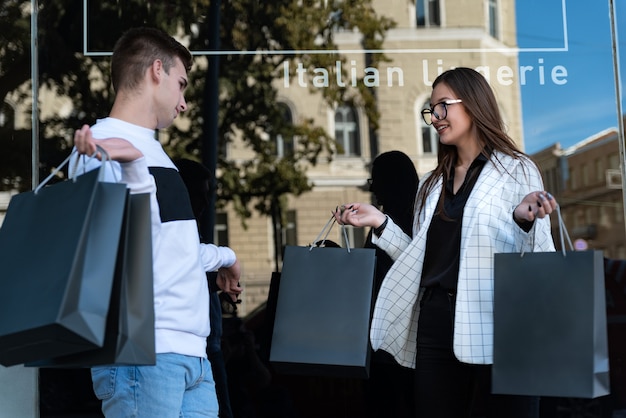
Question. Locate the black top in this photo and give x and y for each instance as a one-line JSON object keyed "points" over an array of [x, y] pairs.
{"points": [[443, 242]]}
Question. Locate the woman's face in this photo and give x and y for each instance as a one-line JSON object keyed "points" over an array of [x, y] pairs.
{"points": [[456, 127]]}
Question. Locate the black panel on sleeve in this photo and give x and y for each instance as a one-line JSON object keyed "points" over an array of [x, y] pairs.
{"points": [[172, 196]]}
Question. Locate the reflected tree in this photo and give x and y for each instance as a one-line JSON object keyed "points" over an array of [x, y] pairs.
{"points": [[248, 106]]}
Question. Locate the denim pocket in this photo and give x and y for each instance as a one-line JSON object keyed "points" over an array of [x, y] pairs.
{"points": [[103, 379]]}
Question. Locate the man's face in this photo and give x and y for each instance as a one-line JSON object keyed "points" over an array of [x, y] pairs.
{"points": [[170, 99]]}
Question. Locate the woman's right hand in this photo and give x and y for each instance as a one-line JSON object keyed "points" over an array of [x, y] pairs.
{"points": [[359, 215]]}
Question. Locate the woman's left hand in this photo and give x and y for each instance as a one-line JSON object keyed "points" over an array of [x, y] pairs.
{"points": [[535, 205]]}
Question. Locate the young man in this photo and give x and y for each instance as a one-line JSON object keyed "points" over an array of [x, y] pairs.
{"points": [[149, 76]]}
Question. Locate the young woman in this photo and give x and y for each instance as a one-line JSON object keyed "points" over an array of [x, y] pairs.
{"points": [[434, 311]]}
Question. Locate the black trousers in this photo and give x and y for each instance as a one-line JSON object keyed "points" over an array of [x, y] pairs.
{"points": [[448, 388]]}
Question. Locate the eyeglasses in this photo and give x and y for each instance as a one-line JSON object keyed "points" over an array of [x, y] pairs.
{"points": [[439, 111]]}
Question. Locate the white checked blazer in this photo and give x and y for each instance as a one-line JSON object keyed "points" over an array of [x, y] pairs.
{"points": [[488, 227]]}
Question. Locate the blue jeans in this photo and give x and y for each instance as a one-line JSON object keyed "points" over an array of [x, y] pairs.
{"points": [[177, 386]]}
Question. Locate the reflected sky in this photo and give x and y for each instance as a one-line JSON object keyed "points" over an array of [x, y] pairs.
{"points": [[586, 104], [576, 36]]}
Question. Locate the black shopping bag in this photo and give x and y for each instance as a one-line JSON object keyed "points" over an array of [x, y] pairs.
{"points": [[129, 337], [264, 337], [58, 246], [323, 308], [550, 331]]}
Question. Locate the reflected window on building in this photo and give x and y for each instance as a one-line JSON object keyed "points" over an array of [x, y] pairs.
{"points": [[430, 139], [590, 215], [347, 131], [604, 219], [284, 143], [599, 169], [551, 180], [355, 235], [585, 174], [220, 231], [620, 252], [619, 211], [427, 13], [288, 232], [573, 181], [7, 116], [493, 19], [579, 217]]}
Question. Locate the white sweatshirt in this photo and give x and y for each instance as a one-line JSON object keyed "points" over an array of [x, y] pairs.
{"points": [[181, 295]]}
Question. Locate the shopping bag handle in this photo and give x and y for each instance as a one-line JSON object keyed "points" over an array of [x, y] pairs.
{"points": [[104, 156], [563, 234], [327, 228]]}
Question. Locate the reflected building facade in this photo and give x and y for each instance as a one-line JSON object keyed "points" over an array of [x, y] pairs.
{"points": [[430, 37], [587, 182]]}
